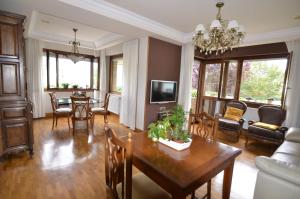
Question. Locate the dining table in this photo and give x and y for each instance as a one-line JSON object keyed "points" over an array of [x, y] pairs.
{"points": [[182, 172]]}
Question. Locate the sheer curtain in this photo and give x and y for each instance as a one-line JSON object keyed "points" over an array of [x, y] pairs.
{"points": [[293, 92], [103, 75], [34, 57], [129, 92], [186, 69]]}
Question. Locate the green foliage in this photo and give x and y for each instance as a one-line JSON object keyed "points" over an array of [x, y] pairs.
{"points": [[65, 85], [75, 86], [171, 127], [194, 93], [262, 82]]}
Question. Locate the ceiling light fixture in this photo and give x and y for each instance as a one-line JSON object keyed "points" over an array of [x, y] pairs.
{"points": [[221, 36], [75, 56]]}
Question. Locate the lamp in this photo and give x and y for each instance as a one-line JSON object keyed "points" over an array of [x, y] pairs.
{"points": [[221, 36], [75, 56]]}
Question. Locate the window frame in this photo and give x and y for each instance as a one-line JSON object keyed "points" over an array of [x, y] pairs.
{"points": [[57, 53], [111, 58], [240, 61]]}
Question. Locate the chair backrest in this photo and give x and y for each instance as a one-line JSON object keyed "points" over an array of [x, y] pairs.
{"points": [[53, 101], [118, 164], [80, 107], [203, 125], [271, 114], [236, 104], [106, 101]]}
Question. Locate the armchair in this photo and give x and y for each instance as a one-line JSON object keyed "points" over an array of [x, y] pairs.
{"points": [[269, 128], [231, 126]]}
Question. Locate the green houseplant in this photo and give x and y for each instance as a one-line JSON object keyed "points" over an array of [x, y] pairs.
{"points": [[171, 127], [65, 85], [75, 86]]}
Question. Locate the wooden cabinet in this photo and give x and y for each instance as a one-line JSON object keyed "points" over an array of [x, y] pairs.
{"points": [[15, 109]]}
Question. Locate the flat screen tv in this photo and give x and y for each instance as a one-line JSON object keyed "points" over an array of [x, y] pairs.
{"points": [[163, 91]]}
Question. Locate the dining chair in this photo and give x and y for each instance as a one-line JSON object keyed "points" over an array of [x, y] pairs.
{"points": [[206, 126], [103, 110], [120, 183], [58, 112], [81, 111]]}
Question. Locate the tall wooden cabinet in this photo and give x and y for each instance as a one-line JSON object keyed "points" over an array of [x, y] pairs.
{"points": [[15, 108]]}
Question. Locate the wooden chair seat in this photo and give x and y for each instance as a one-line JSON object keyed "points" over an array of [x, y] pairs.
{"points": [[144, 188], [98, 109]]}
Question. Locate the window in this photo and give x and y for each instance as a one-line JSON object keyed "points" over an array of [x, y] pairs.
{"points": [[116, 73], [263, 80], [195, 80], [229, 78], [212, 79], [64, 73]]}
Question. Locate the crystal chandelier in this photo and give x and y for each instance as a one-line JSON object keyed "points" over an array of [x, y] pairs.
{"points": [[221, 36], [75, 57]]}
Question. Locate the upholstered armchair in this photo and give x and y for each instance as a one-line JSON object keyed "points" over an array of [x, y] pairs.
{"points": [[268, 128], [231, 126]]}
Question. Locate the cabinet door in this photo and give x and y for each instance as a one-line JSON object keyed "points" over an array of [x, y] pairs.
{"points": [[15, 133], [10, 87], [9, 40]]}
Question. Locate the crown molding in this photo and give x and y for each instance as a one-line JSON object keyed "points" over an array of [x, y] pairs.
{"points": [[125, 16]]}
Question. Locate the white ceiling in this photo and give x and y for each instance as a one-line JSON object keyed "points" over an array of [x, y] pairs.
{"points": [[257, 15], [105, 23]]}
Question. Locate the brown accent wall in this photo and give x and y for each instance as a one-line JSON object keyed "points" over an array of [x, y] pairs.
{"points": [[163, 64], [247, 51]]}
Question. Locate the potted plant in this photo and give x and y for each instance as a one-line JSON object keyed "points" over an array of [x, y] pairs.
{"points": [[65, 85], [75, 86], [170, 130]]}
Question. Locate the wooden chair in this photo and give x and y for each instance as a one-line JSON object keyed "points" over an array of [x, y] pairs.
{"points": [[118, 172], [81, 111], [103, 110], [206, 126], [58, 112]]}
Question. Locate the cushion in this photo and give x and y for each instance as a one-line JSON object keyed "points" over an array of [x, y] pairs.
{"points": [[96, 109], [233, 113], [144, 187], [262, 132], [293, 134], [229, 124], [64, 110], [266, 126]]}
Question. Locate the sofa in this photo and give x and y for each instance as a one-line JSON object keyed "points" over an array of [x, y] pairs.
{"points": [[279, 175]]}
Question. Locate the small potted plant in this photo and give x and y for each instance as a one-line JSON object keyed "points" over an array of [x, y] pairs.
{"points": [[170, 131], [75, 86], [65, 85]]}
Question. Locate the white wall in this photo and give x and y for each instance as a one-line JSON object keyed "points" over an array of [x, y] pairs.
{"points": [[142, 82], [114, 50]]}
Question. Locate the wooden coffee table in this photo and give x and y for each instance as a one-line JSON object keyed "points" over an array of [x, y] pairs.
{"points": [[182, 172]]}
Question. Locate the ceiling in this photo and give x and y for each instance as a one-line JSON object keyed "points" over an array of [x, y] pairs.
{"points": [[257, 15], [105, 23]]}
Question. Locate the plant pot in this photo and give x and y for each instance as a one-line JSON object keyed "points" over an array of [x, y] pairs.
{"points": [[176, 145]]}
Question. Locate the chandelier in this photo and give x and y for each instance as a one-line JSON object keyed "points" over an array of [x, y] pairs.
{"points": [[75, 56], [221, 36]]}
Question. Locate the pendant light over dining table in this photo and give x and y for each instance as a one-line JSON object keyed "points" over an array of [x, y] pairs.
{"points": [[222, 35], [75, 56]]}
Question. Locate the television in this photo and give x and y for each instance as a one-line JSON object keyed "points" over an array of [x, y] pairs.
{"points": [[163, 91]]}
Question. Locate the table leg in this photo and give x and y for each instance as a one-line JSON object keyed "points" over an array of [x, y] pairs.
{"points": [[227, 181]]}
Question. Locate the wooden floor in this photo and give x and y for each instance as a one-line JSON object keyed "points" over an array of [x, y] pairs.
{"points": [[65, 167]]}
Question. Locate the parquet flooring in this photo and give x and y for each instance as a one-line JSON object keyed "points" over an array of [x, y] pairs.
{"points": [[65, 167]]}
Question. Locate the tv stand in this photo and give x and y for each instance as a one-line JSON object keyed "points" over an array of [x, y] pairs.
{"points": [[162, 114]]}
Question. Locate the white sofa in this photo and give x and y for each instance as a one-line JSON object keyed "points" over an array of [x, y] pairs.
{"points": [[279, 175]]}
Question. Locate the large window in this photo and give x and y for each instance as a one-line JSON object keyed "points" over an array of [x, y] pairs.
{"points": [[64, 73], [263, 80], [116, 74], [252, 80]]}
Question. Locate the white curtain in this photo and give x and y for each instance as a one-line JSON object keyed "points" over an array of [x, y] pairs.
{"points": [[35, 77], [130, 76], [186, 70], [103, 75], [293, 92]]}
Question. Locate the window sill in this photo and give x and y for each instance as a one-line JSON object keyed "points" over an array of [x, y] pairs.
{"points": [[69, 89], [258, 104]]}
